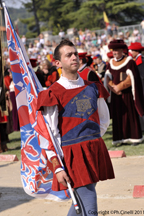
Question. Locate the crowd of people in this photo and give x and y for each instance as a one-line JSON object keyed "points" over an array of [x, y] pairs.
{"points": [[95, 56], [89, 80]]}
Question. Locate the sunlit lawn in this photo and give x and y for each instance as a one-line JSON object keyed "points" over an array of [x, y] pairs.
{"points": [[129, 150], [15, 143]]}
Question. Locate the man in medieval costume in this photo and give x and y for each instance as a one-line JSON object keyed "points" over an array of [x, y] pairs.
{"points": [[123, 81], [136, 49], [85, 71], [78, 117]]}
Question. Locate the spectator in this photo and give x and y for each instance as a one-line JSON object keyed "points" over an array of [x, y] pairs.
{"points": [[109, 30], [101, 67], [136, 49], [9, 126], [23, 40], [84, 71], [99, 41], [95, 66], [81, 35], [47, 74], [30, 50], [3, 113], [15, 120], [121, 35], [114, 29], [5, 52], [123, 80], [61, 34], [41, 40]]}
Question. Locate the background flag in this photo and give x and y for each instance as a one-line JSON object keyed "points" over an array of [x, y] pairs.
{"points": [[106, 20], [36, 170]]}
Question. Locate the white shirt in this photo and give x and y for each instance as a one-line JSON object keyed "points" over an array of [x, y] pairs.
{"points": [[61, 34], [51, 113], [83, 66], [138, 55]]}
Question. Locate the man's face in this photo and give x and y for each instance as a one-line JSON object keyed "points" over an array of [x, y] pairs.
{"points": [[134, 53], [45, 69], [99, 61], [95, 61], [69, 61], [117, 53]]}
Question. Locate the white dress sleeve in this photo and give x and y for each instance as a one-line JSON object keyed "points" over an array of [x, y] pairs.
{"points": [[104, 115], [51, 115]]}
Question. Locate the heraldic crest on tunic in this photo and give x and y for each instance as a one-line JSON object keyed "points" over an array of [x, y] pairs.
{"points": [[83, 105]]}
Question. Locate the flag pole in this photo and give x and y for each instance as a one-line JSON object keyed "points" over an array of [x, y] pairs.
{"points": [[49, 130]]}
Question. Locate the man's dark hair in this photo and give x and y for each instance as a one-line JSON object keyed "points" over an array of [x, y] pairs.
{"points": [[84, 60], [99, 57], [90, 60], [65, 42]]}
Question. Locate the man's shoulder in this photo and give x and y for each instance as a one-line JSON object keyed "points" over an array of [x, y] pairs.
{"points": [[140, 61], [103, 64], [119, 64], [84, 67], [54, 87]]}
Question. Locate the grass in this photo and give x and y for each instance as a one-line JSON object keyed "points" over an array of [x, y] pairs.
{"points": [[15, 144], [127, 148]]}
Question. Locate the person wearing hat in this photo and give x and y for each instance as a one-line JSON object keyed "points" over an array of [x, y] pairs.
{"points": [[123, 81], [89, 61], [110, 55], [136, 49], [85, 71]]}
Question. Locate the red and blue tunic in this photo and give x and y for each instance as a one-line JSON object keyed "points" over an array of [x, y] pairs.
{"points": [[86, 159]]}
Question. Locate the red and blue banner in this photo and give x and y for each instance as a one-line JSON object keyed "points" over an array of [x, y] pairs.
{"points": [[36, 170]]}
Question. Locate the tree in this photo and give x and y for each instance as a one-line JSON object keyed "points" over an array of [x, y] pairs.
{"points": [[54, 13], [83, 14], [33, 22], [90, 14]]}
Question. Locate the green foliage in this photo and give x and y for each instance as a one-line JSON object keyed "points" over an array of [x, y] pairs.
{"points": [[18, 14], [124, 12], [55, 13], [83, 13], [33, 22], [30, 22], [15, 145], [30, 34]]}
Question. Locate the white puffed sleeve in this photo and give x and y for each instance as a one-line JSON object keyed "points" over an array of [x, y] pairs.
{"points": [[51, 115], [104, 115]]}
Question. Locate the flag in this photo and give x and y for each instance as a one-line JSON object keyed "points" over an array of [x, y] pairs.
{"points": [[36, 170], [106, 20]]}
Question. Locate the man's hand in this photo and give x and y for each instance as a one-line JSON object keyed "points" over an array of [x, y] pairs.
{"points": [[63, 178], [116, 89]]}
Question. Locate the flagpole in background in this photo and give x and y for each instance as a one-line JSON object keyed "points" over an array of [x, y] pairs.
{"points": [[106, 20], [30, 86]]}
